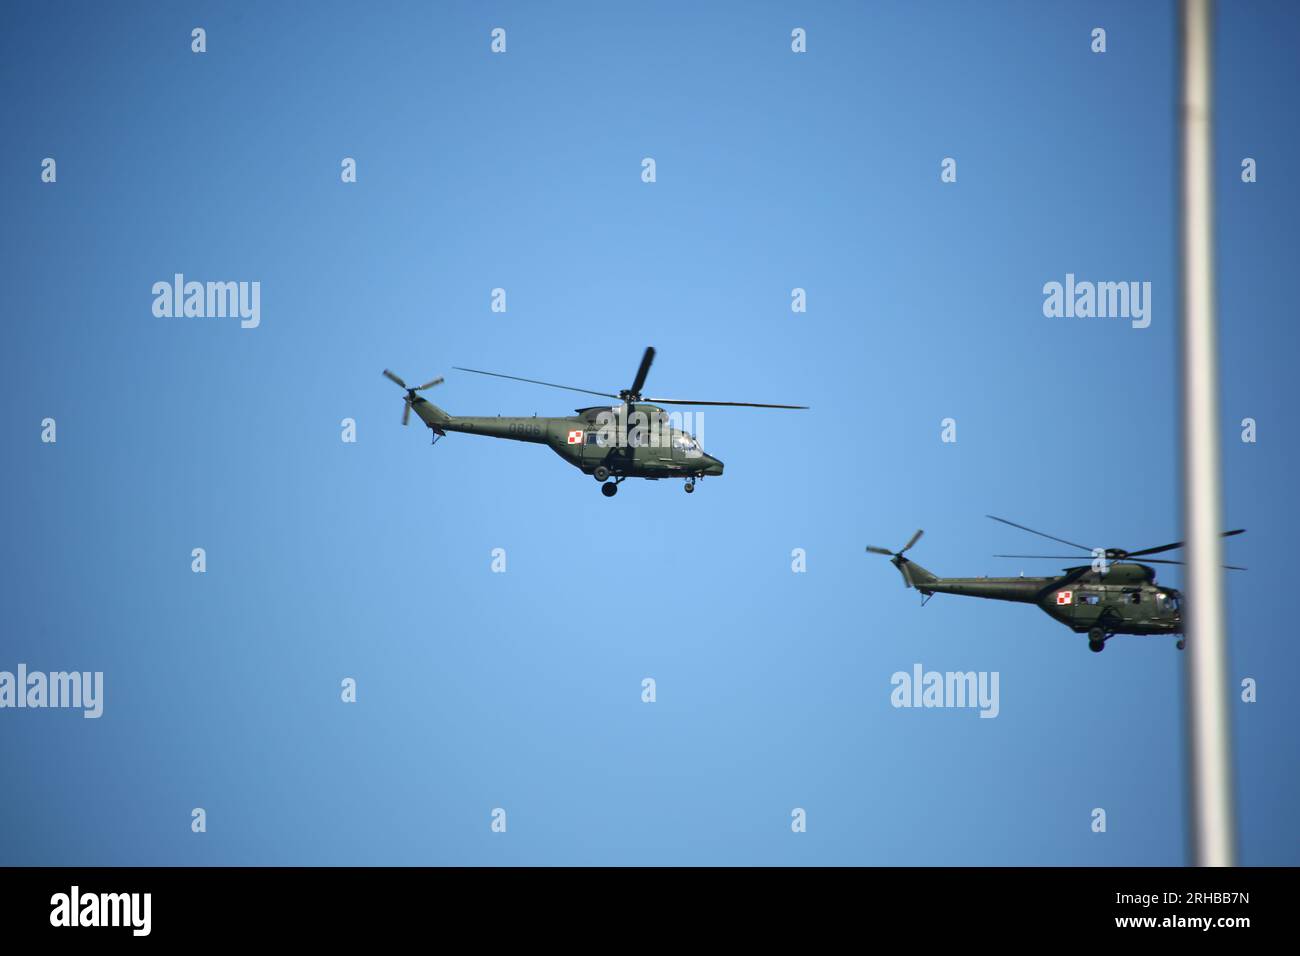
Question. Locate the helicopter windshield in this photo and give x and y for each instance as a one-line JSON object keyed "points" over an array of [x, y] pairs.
{"points": [[686, 444], [1169, 602]]}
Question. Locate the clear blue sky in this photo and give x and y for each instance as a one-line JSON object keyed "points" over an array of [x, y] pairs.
{"points": [[522, 690]]}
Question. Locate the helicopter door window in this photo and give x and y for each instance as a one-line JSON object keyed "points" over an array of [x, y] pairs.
{"points": [[1090, 599], [1137, 597]]}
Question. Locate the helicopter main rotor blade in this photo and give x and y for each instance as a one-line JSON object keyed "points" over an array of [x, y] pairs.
{"points": [[1040, 533], [1046, 557], [682, 401], [390, 375], [1075, 557], [1178, 544], [643, 371], [1230, 567], [885, 551], [533, 381]]}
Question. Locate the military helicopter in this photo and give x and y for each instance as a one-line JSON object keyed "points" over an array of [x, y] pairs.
{"points": [[633, 439], [1111, 595]]}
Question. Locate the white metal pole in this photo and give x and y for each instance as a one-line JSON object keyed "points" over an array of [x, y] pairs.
{"points": [[1213, 837]]}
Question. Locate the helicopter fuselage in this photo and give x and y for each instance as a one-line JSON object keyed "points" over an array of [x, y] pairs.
{"points": [[1122, 599], [602, 440]]}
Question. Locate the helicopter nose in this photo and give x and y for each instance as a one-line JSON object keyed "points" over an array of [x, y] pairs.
{"points": [[712, 466]]}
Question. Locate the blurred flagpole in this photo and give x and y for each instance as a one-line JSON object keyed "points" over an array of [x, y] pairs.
{"points": [[1213, 830]]}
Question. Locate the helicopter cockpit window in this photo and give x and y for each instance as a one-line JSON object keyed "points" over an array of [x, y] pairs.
{"points": [[1089, 598], [1136, 597], [1167, 601], [597, 437], [685, 445]]}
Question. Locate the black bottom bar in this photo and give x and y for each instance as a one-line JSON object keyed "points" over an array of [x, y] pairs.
{"points": [[332, 905]]}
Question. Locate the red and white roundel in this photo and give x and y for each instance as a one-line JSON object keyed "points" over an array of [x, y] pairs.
{"points": [[1064, 597], [575, 437]]}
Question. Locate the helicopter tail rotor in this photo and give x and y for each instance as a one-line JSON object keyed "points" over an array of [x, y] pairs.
{"points": [[410, 392], [903, 564]]}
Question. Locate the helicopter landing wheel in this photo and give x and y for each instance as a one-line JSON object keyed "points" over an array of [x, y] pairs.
{"points": [[690, 487], [1182, 643], [1096, 640], [601, 473], [609, 489]]}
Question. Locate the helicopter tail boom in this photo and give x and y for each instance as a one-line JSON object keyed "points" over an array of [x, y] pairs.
{"points": [[431, 415]]}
